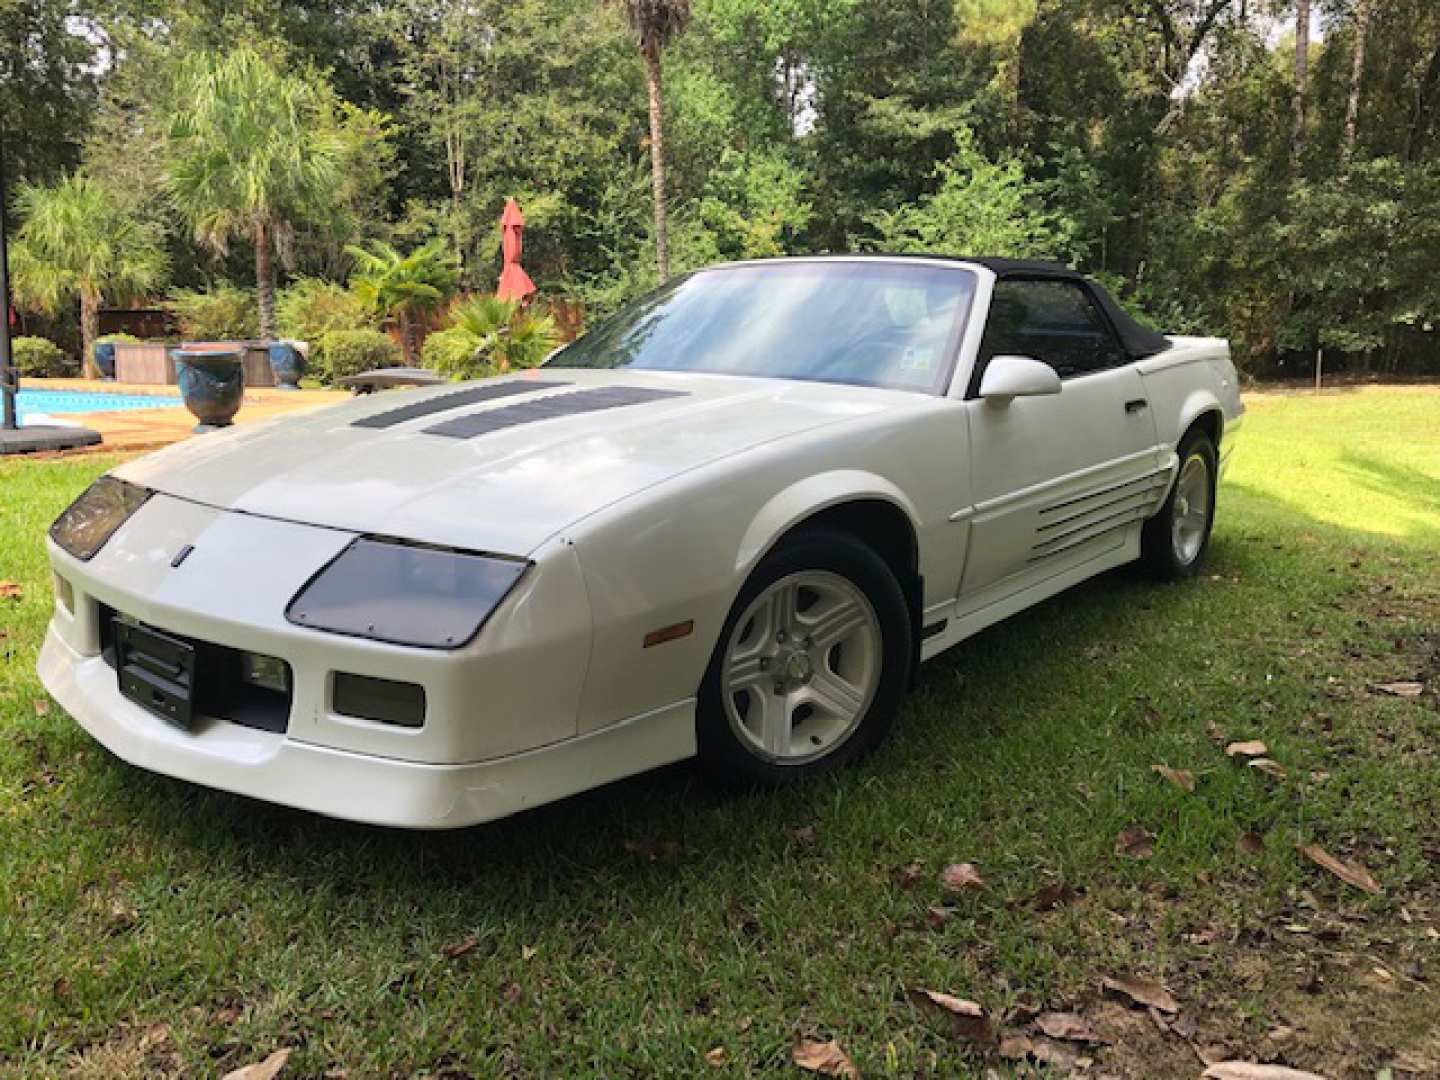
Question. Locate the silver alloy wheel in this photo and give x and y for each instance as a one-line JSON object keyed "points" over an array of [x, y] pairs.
{"points": [[801, 667], [1190, 512]]}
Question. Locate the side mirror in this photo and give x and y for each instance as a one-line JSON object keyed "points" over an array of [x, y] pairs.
{"points": [[1008, 377]]}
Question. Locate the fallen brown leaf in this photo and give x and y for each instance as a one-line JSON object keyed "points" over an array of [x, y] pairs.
{"points": [[527, 952], [1269, 766], [1053, 896], [967, 1019], [957, 877], [1135, 842], [654, 850], [1250, 843], [936, 917], [262, 1070], [909, 874], [1044, 1051], [1142, 992], [155, 1035], [1348, 872], [1069, 1026], [456, 949], [42, 707], [1245, 1070], [10, 591], [1400, 689], [715, 1056], [1184, 779], [825, 1058], [1252, 748], [804, 835]]}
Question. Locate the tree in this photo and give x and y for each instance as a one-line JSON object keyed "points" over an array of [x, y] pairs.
{"points": [[404, 288], [254, 152], [75, 239], [979, 208], [1302, 68], [655, 24], [1357, 74]]}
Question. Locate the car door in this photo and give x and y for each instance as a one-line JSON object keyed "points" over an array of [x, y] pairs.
{"points": [[1057, 479]]}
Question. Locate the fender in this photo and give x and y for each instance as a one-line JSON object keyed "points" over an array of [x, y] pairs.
{"points": [[808, 497]]}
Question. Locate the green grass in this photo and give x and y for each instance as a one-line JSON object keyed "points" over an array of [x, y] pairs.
{"points": [[130, 900]]}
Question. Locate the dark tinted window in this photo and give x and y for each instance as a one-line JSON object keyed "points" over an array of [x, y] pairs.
{"points": [[1053, 321], [866, 322]]}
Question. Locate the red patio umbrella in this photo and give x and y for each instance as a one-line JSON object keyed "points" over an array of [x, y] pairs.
{"points": [[515, 284]]}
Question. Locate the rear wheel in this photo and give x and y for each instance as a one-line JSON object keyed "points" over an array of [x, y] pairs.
{"points": [[810, 666], [1174, 541]]}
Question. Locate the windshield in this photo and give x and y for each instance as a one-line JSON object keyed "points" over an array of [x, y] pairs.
{"points": [[869, 323]]}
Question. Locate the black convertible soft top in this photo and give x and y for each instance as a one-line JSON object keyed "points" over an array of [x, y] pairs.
{"points": [[1139, 341]]}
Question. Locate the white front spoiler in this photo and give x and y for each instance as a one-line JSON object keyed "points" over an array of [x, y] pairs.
{"points": [[358, 787]]}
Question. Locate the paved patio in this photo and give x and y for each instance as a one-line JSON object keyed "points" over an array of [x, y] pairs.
{"points": [[147, 429]]}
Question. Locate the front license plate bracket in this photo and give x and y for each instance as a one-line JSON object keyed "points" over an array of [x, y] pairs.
{"points": [[156, 671]]}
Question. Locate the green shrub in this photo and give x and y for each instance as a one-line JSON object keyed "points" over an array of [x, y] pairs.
{"points": [[350, 352], [490, 335], [117, 339], [453, 353], [311, 308], [220, 313], [38, 358]]}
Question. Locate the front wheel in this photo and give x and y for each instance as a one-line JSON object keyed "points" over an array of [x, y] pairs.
{"points": [[1173, 542], [810, 666]]}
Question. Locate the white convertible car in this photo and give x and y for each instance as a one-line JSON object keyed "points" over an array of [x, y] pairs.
{"points": [[728, 522]]}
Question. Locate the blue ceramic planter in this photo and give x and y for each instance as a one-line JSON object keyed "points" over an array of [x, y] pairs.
{"points": [[105, 359], [288, 363], [212, 384]]}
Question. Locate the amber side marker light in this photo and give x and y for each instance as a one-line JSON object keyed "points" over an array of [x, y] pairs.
{"points": [[670, 633]]}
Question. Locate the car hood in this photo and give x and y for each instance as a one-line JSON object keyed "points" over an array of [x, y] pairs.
{"points": [[506, 490]]}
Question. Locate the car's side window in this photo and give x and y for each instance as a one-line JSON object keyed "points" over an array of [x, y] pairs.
{"points": [[1053, 321]]}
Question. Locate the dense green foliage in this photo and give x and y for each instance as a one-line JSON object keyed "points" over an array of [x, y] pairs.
{"points": [[1175, 147], [351, 352], [219, 313], [311, 307], [37, 357], [77, 240]]}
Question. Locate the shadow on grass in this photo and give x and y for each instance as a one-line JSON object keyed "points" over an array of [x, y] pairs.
{"points": [[573, 853], [1397, 481]]}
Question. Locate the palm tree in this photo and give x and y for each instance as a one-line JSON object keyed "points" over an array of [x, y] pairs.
{"points": [[76, 239], [404, 287], [507, 334], [253, 153], [656, 23]]}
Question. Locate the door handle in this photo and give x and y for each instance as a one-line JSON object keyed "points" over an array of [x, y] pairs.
{"points": [[1136, 405]]}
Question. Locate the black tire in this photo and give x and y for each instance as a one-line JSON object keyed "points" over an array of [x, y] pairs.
{"points": [[723, 753], [1158, 549]]}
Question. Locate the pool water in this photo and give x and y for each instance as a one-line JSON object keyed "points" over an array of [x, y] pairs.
{"points": [[34, 404]]}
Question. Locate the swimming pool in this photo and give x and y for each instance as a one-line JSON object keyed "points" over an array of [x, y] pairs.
{"points": [[34, 404]]}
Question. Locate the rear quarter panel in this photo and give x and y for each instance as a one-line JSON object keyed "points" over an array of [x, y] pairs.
{"points": [[1193, 377]]}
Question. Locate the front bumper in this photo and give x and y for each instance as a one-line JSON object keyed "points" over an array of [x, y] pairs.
{"points": [[356, 786]]}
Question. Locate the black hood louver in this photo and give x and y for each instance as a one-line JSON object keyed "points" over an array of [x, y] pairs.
{"points": [[529, 412], [454, 400]]}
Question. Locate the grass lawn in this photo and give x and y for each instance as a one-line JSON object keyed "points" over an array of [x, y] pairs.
{"points": [[150, 928]]}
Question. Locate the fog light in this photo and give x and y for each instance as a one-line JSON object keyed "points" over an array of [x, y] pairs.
{"points": [[389, 702], [64, 594], [266, 672]]}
